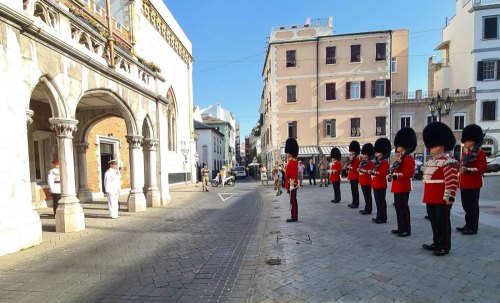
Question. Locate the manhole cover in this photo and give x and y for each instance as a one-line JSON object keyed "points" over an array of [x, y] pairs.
{"points": [[275, 261], [275, 232]]}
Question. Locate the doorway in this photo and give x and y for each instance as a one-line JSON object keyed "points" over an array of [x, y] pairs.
{"points": [[107, 152]]}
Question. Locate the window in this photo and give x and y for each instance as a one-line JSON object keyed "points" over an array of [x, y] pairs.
{"points": [[380, 123], [379, 88], [291, 93], [356, 53], [355, 90], [405, 121], [458, 121], [38, 159], [488, 70], [355, 127], [330, 128], [290, 58], [394, 65], [489, 110], [330, 91], [330, 55], [431, 118], [380, 52], [490, 27], [292, 129]]}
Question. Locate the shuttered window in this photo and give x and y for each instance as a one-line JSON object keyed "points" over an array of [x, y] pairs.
{"points": [[330, 91], [380, 53], [329, 128]]}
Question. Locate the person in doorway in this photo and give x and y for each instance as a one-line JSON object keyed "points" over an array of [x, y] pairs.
{"points": [[301, 172], [311, 171], [379, 172], [440, 185], [335, 170], [54, 180], [291, 175], [112, 186], [204, 175], [353, 174], [365, 179]]}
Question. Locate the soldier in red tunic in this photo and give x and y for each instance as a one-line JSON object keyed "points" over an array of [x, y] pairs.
{"points": [[353, 175], [472, 168], [291, 176], [401, 173], [440, 185], [335, 171], [379, 172], [365, 179]]}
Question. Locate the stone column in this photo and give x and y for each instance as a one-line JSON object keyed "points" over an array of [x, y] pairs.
{"points": [[153, 198], [69, 215], [136, 200], [84, 193]]}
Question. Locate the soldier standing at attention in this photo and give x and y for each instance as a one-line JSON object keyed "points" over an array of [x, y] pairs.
{"points": [[472, 168], [112, 186], [440, 185], [379, 182], [365, 179], [353, 175], [54, 180], [291, 176], [204, 176], [401, 173], [335, 171]]}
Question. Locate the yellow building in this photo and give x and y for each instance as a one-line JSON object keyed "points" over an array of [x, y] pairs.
{"points": [[328, 89]]}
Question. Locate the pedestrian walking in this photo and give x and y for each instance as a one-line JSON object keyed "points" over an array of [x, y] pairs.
{"points": [[301, 172], [472, 167], [335, 170], [353, 174], [204, 175], [323, 172], [440, 185], [291, 175], [311, 171], [263, 174], [379, 172], [401, 173], [365, 179], [112, 186], [54, 180]]}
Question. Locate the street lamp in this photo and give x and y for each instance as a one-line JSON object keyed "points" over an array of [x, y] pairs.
{"points": [[438, 104], [185, 152]]}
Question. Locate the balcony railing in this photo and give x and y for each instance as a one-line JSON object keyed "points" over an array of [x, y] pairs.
{"points": [[421, 96]]}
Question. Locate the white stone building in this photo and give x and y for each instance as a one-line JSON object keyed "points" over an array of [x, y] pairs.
{"points": [[470, 57], [209, 146], [59, 79]]}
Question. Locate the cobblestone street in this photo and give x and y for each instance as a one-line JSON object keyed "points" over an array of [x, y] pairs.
{"points": [[206, 247]]}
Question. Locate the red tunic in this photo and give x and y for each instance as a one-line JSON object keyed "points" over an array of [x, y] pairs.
{"points": [[440, 179], [405, 173], [473, 178], [353, 170], [336, 169], [380, 180], [364, 177], [291, 173]]}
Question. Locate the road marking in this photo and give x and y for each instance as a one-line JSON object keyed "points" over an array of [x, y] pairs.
{"points": [[222, 198]]}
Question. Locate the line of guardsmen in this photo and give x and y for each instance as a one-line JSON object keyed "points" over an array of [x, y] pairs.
{"points": [[369, 168]]}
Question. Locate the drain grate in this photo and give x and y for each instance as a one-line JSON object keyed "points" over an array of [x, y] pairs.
{"points": [[274, 261]]}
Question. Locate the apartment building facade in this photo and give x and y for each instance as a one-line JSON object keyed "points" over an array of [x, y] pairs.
{"points": [[470, 57], [328, 89]]}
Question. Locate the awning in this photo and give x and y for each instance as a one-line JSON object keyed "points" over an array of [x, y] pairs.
{"points": [[344, 149], [443, 45], [305, 151]]}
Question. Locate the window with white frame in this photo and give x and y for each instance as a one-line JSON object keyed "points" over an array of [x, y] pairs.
{"points": [[459, 121], [380, 88], [380, 123], [355, 127], [330, 128], [490, 27], [430, 119], [380, 51], [291, 93], [489, 110], [394, 65], [355, 90], [489, 70], [405, 121]]}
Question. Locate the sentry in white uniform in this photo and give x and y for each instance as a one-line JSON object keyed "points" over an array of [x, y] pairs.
{"points": [[112, 185]]}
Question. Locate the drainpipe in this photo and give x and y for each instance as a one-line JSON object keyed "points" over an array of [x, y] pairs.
{"points": [[317, 93], [110, 38], [390, 80]]}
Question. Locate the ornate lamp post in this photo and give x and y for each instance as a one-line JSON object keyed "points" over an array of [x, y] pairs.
{"points": [[438, 104], [185, 152]]}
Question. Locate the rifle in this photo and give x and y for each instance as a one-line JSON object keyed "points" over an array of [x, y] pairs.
{"points": [[397, 164], [472, 156]]}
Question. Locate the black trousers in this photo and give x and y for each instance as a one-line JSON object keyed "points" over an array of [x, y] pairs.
{"points": [[367, 194], [355, 192], [379, 194], [470, 203], [313, 177], [336, 191], [294, 204], [439, 214], [402, 211], [55, 202]]}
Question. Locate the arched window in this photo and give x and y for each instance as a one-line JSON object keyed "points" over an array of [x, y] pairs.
{"points": [[172, 121]]}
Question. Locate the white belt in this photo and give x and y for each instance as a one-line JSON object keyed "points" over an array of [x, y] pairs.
{"points": [[433, 181]]}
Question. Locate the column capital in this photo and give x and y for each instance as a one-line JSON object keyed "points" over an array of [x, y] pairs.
{"points": [[81, 147], [134, 141], [151, 144], [29, 116], [63, 127]]}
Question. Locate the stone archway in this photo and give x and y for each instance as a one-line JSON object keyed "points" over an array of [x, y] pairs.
{"points": [[150, 145]]}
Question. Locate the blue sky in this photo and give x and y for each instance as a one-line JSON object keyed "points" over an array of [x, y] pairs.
{"points": [[229, 40]]}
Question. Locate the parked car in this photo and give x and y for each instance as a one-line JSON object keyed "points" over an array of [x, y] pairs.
{"points": [[493, 163], [239, 172]]}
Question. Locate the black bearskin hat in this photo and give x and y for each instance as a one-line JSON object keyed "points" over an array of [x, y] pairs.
{"points": [[472, 132], [406, 138], [292, 147], [354, 147], [335, 153], [438, 134], [368, 150], [383, 146]]}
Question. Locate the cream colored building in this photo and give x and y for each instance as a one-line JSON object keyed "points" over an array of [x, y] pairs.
{"points": [[66, 96], [328, 89]]}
